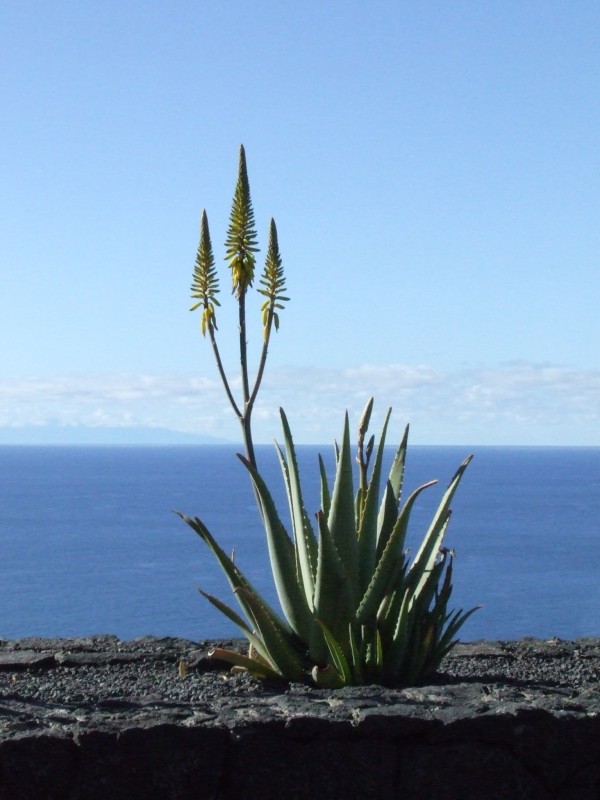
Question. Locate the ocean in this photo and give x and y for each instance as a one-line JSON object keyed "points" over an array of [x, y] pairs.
{"points": [[90, 543]]}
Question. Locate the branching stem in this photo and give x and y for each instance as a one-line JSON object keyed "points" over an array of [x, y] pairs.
{"points": [[241, 245], [224, 380]]}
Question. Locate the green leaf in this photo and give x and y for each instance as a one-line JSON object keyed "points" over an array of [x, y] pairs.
{"points": [[388, 563], [392, 495], [338, 658], [237, 580], [303, 535], [228, 612], [367, 532], [430, 546], [333, 598], [398, 647], [447, 640], [396, 476], [278, 647], [325, 493], [283, 562], [388, 514], [341, 520], [237, 620], [355, 655]]}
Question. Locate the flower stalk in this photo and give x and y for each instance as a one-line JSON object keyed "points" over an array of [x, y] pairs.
{"points": [[241, 246]]}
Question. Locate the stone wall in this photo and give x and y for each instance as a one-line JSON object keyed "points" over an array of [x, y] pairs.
{"points": [[471, 739], [392, 754]]}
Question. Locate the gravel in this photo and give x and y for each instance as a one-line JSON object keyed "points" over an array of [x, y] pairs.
{"points": [[105, 671]]}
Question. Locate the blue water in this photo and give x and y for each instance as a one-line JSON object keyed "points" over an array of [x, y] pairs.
{"points": [[89, 543]]}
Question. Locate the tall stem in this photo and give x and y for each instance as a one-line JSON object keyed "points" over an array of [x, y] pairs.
{"points": [[245, 418], [259, 375], [244, 348], [247, 433]]}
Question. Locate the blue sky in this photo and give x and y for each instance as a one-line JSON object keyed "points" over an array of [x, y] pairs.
{"points": [[433, 169]]}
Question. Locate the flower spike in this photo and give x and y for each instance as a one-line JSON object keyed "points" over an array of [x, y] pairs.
{"points": [[273, 281], [241, 236], [205, 285]]}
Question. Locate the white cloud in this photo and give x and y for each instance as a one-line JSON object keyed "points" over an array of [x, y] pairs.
{"points": [[515, 404]]}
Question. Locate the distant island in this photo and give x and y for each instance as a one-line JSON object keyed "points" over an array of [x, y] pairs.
{"points": [[81, 435]]}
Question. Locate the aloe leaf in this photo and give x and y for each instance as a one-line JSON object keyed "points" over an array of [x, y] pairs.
{"points": [[325, 493], [228, 612], [278, 648], [303, 535], [336, 451], [459, 618], [236, 578], [430, 546], [355, 655], [333, 599], [446, 588], [452, 622], [426, 624], [379, 650], [371, 642], [341, 520], [419, 650], [373, 661], [252, 637], [388, 514], [397, 647], [307, 528], [428, 587], [392, 495], [388, 562], [286, 476], [396, 475], [283, 561], [388, 611], [253, 665], [367, 530], [340, 662]]}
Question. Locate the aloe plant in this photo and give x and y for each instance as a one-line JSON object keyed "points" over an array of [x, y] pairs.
{"points": [[355, 608]]}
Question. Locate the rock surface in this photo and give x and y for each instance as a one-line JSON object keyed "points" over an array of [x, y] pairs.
{"points": [[98, 717]]}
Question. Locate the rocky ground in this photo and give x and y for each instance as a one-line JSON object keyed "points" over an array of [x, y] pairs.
{"points": [[101, 681]]}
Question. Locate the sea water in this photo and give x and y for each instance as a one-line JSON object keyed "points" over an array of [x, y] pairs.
{"points": [[90, 543]]}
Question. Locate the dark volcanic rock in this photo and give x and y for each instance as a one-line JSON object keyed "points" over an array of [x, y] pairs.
{"points": [[97, 717]]}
